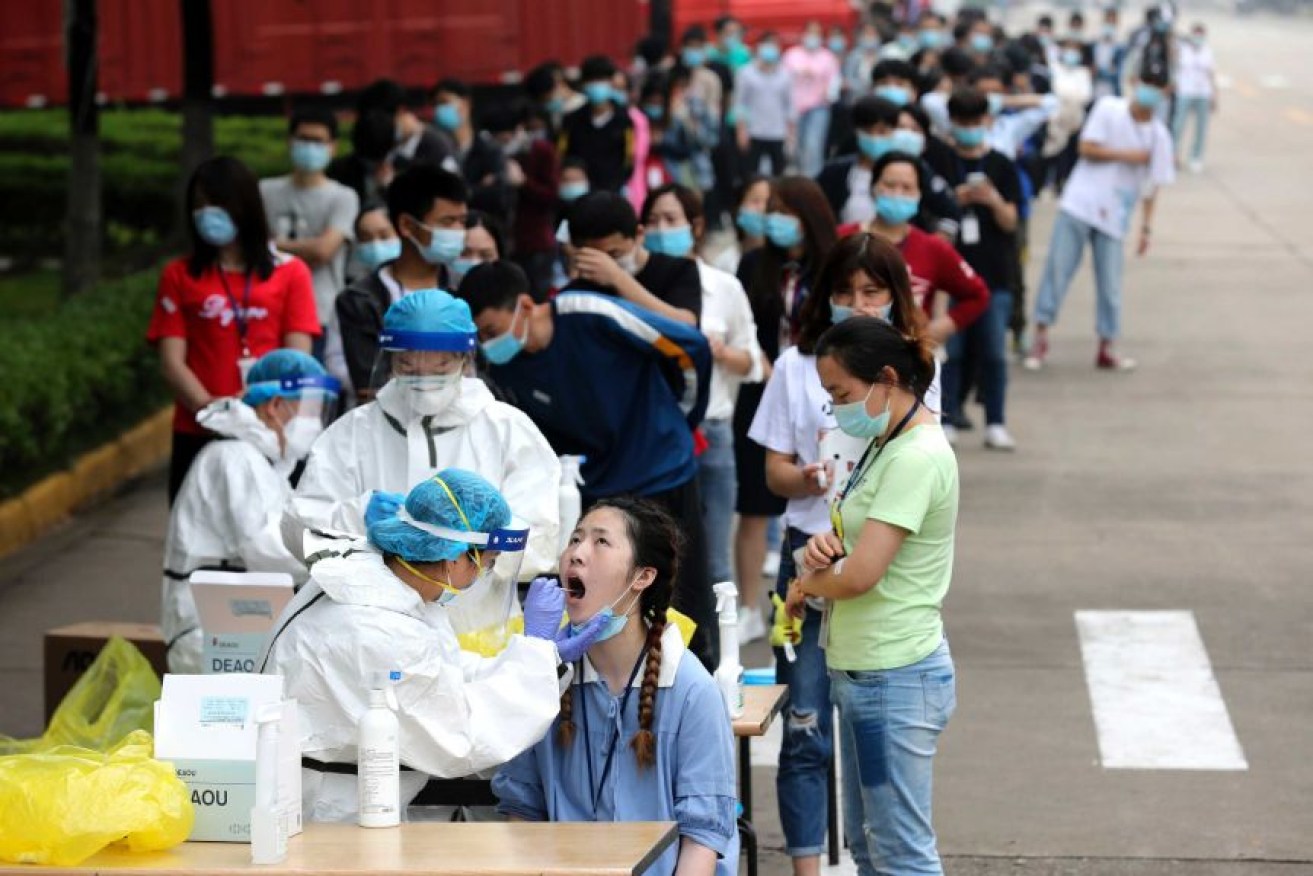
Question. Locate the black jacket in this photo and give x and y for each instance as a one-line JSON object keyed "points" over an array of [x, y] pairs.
{"points": [[360, 308], [607, 152]]}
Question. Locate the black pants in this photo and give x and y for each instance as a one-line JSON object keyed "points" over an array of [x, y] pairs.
{"points": [[692, 595], [774, 152], [186, 446]]}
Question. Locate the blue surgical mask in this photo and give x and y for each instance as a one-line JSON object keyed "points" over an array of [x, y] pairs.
{"points": [[654, 111], [855, 421], [910, 142], [995, 103], [309, 156], [839, 312], [597, 92], [1071, 57], [931, 39], [873, 146], [768, 52], [895, 94], [869, 42], [461, 267], [506, 346], [693, 57], [676, 241], [615, 621], [445, 244], [214, 225], [1148, 96], [783, 230], [968, 138], [447, 115], [752, 222], [619, 96], [896, 209], [837, 44], [982, 42], [811, 41], [573, 191], [376, 253]]}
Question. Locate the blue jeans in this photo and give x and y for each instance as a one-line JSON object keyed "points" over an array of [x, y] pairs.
{"points": [[813, 130], [1200, 108], [718, 484], [889, 726], [802, 781], [985, 343], [1065, 250]]}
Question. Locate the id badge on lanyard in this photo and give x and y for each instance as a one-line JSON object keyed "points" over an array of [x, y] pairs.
{"points": [[245, 361]]}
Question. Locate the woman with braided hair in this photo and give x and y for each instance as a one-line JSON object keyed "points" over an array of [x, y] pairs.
{"points": [[643, 734]]}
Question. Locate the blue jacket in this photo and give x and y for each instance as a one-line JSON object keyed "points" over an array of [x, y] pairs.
{"points": [[620, 385]]}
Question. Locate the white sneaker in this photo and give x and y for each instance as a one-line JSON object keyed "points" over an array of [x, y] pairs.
{"points": [[950, 432], [771, 567], [752, 626], [1196, 166], [998, 438]]}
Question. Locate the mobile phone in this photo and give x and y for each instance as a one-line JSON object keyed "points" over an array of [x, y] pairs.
{"points": [[976, 179]]}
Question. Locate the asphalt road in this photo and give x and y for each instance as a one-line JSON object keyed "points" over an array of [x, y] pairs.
{"points": [[1185, 486]]}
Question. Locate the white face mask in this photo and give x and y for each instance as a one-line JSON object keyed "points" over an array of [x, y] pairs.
{"points": [[298, 436], [628, 263], [431, 394]]}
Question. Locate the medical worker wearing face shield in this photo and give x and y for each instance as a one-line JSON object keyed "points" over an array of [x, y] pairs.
{"points": [[382, 606], [427, 416], [230, 505]]}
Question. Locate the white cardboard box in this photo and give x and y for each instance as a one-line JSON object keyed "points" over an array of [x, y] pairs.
{"points": [[205, 726], [237, 612]]}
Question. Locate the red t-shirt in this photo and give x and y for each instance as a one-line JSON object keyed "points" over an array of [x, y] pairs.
{"points": [[935, 266], [205, 314]]}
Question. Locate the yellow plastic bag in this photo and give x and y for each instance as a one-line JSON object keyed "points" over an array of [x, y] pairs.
{"points": [[115, 697], [62, 805]]}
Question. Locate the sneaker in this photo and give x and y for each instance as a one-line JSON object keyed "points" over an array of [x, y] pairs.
{"points": [[1039, 351], [950, 432], [752, 626], [771, 568], [1110, 361], [1196, 166], [998, 438]]}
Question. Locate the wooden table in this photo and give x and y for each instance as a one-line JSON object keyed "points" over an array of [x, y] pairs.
{"points": [[761, 703], [432, 849]]}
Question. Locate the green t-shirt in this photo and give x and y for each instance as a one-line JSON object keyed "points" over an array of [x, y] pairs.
{"points": [[912, 485]]}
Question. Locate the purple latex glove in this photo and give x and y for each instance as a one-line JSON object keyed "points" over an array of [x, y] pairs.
{"points": [[571, 645], [543, 608]]}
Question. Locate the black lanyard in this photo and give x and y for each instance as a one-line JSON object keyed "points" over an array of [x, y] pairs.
{"points": [[239, 313], [595, 790], [859, 472]]}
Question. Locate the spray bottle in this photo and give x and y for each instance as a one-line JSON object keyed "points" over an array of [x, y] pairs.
{"points": [[729, 674], [569, 500], [268, 824], [378, 755]]}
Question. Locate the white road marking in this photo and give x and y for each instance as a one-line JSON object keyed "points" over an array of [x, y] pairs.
{"points": [[1155, 699]]}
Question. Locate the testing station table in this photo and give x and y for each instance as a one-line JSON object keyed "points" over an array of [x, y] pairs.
{"points": [[424, 849]]}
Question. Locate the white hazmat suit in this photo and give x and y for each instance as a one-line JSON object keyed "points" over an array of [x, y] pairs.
{"points": [[458, 713], [226, 516]]}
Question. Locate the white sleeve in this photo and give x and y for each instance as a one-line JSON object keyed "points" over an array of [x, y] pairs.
{"points": [[772, 427], [531, 474], [1096, 126], [327, 496], [743, 330], [1162, 164], [256, 501], [935, 104]]}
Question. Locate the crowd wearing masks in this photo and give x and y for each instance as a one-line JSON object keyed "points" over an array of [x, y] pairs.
{"points": [[747, 292]]}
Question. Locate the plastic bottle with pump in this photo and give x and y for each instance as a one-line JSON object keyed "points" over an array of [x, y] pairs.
{"points": [[379, 751], [569, 500], [729, 673], [268, 824]]}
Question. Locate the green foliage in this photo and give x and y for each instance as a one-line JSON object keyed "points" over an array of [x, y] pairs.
{"points": [[139, 171], [74, 378], [31, 295]]}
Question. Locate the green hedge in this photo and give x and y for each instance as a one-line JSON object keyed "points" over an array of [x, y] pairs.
{"points": [[139, 172], [75, 378]]}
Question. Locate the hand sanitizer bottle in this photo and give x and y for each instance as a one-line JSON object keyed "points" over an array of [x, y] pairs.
{"points": [[378, 756]]}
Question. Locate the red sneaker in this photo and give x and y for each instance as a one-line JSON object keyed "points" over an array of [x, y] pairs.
{"points": [[1039, 351], [1110, 361]]}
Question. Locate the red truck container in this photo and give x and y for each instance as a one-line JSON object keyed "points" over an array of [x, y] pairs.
{"points": [[786, 17], [272, 47]]}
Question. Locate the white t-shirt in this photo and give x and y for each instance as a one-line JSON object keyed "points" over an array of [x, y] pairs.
{"points": [[727, 314], [1104, 193], [1194, 68]]}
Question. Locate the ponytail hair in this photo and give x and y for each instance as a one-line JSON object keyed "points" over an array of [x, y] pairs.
{"points": [[657, 543], [865, 346]]}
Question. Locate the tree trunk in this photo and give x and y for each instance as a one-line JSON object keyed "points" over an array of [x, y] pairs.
{"points": [[82, 233], [197, 91]]}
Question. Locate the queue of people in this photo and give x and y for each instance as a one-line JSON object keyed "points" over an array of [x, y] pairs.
{"points": [[379, 359]]}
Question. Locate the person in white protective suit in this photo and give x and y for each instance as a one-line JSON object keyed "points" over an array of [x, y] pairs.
{"points": [[380, 606], [229, 507], [427, 416]]}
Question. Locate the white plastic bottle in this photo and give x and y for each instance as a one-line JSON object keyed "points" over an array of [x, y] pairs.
{"points": [[569, 500], [268, 824], [379, 765], [729, 672]]}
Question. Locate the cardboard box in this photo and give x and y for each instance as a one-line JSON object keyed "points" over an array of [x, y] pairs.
{"points": [[237, 612], [70, 651], [205, 726]]}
